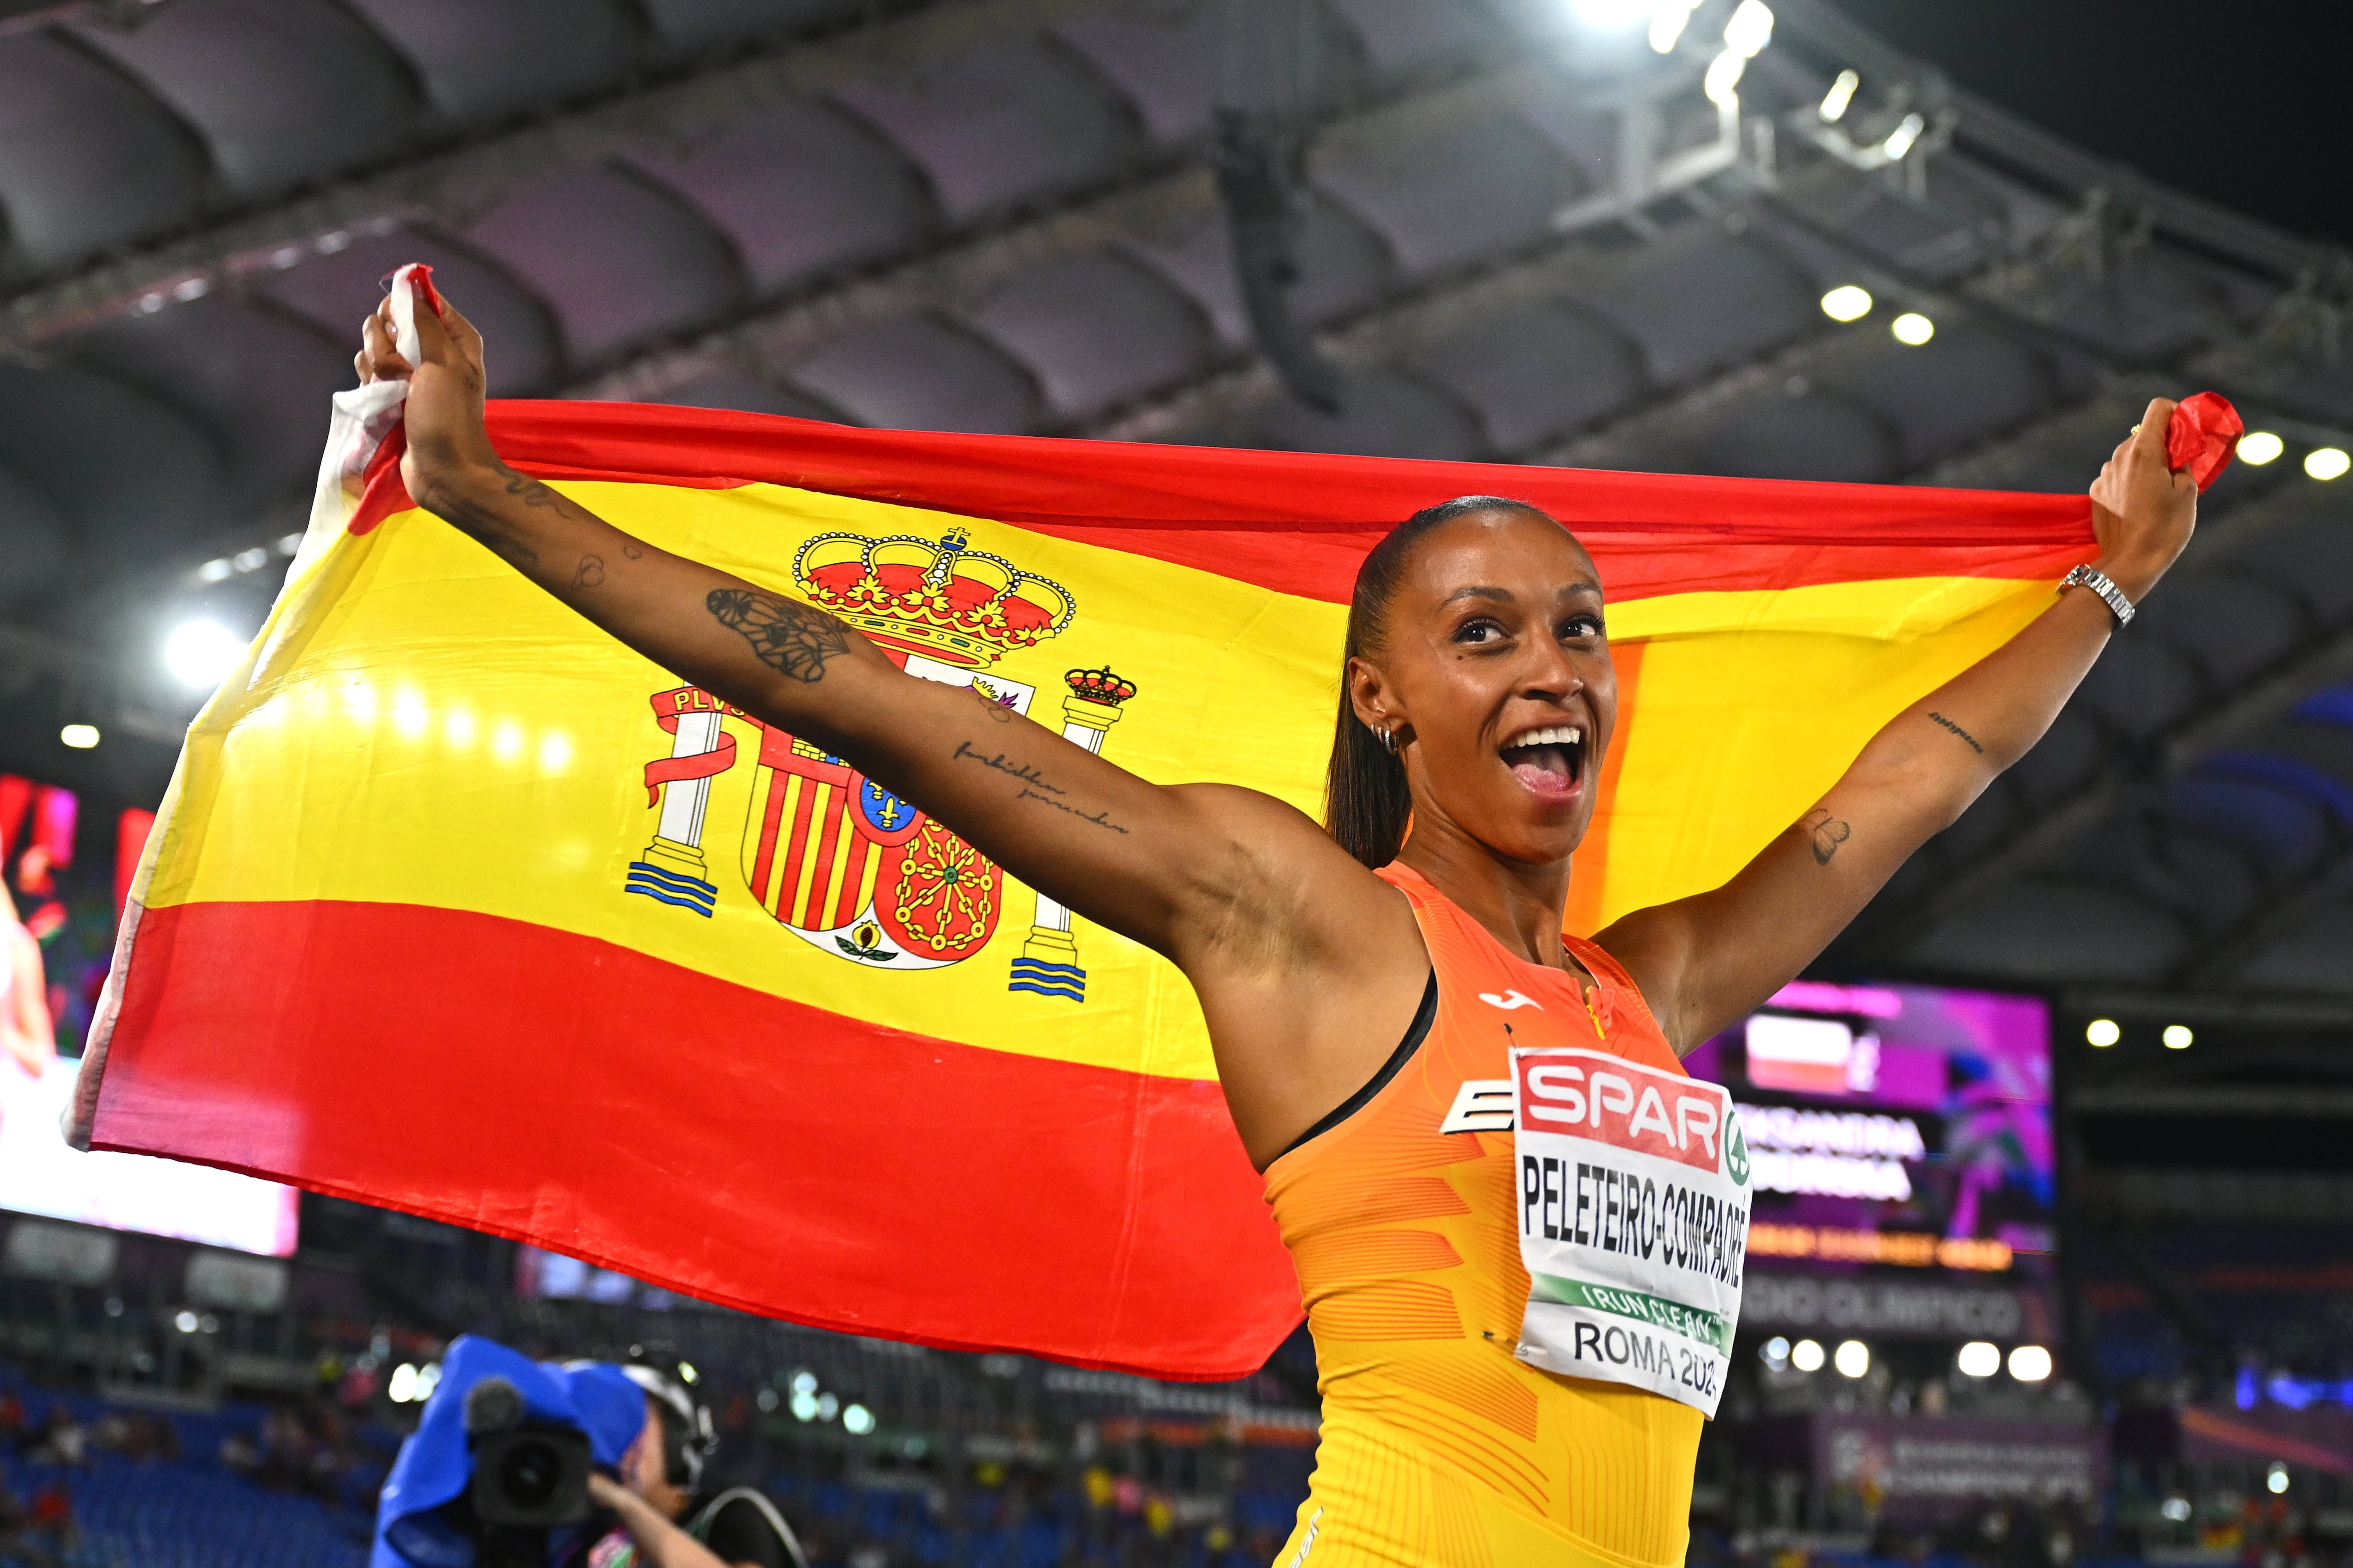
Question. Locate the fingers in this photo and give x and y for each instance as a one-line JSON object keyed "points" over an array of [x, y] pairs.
{"points": [[2156, 424], [378, 360]]}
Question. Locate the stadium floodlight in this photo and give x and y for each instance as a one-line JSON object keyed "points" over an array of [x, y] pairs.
{"points": [[198, 653], [827, 1407], [1912, 329], [1979, 1358], [2275, 1479], [804, 1406], [2178, 1038], [80, 737], [288, 544], [1750, 29], [2030, 1363], [2102, 1032], [1854, 1358], [1668, 22], [1847, 303], [1900, 140], [214, 571], [2327, 462], [2259, 447], [1806, 1355], [2176, 1508], [1841, 94], [401, 1387], [857, 1420], [1774, 1352], [1722, 83]]}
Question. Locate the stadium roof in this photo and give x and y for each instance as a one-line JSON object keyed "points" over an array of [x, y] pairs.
{"points": [[1526, 239]]}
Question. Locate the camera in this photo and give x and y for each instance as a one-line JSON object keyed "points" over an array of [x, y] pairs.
{"points": [[528, 1475]]}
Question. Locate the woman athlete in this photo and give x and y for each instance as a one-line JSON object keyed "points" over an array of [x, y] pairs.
{"points": [[1354, 977]]}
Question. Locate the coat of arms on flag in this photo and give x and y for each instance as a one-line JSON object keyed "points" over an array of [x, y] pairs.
{"points": [[835, 857]]}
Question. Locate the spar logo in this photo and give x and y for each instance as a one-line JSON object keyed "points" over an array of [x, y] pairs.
{"points": [[831, 855], [1591, 1094]]}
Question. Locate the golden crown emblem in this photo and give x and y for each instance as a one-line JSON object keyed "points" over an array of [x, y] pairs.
{"points": [[933, 596]]}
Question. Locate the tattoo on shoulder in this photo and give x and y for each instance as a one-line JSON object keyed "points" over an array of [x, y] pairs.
{"points": [[792, 639], [1826, 831], [1956, 728]]}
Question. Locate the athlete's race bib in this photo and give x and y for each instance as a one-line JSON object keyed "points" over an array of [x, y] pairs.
{"points": [[1633, 1192]]}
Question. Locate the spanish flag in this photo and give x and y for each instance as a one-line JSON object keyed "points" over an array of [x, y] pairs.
{"points": [[459, 907]]}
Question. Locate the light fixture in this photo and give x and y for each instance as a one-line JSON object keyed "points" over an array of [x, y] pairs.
{"points": [[686, 1372], [252, 560], [1806, 1355], [2327, 462], [1750, 28], [1722, 83], [805, 1382], [2030, 1363], [401, 1387], [2275, 1479], [1912, 329], [428, 1378], [1847, 303], [1841, 94], [288, 543], [1979, 1358], [2102, 1032], [80, 737], [2178, 1038], [2175, 1508], [827, 1407], [804, 1406], [184, 1320], [198, 653], [1668, 22], [1854, 1358], [2259, 447], [1901, 140], [857, 1420], [1774, 1352], [214, 571]]}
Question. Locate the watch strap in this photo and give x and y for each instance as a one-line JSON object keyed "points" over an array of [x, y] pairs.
{"points": [[2099, 583]]}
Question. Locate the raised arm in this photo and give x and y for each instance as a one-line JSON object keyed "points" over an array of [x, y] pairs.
{"points": [[1274, 925], [1705, 962]]}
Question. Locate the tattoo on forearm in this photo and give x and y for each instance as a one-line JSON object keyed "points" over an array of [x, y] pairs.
{"points": [[633, 552], [1956, 728], [997, 708], [488, 529], [591, 572], [1024, 772], [794, 639], [1826, 831], [532, 493], [1101, 818]]}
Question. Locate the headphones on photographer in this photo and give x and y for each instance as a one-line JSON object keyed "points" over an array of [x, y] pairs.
{"points": [[687, 1434]]}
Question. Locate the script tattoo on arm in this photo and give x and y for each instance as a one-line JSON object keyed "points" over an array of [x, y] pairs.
{"points": [[793, 639], [1032, 783], [1827, 832], [1956, 728], [532, 493], [488, 529]]}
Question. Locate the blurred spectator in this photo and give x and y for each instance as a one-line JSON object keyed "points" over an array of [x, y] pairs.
{"points": [[62, 1439]]}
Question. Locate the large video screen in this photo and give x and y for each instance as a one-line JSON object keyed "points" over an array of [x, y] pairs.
{"points": [[40, 1173], [1894, 1124]]}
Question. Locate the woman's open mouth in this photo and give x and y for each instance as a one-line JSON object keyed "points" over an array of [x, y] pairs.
{"points": [[1549, 762]]}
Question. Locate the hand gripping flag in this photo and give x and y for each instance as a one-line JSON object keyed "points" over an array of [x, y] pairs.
{"points": [[460, 907]]}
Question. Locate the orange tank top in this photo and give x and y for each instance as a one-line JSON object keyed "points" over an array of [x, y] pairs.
{"points": [[1438, 1445]]}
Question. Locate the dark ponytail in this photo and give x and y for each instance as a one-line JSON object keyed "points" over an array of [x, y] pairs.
{"points": [[1366, 803]]}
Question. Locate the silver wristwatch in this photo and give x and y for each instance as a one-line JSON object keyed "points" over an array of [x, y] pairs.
{"points": [[2099, 583]]}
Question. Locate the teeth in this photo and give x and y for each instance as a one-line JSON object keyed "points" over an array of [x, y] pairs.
{"points": [[1558, 735]]}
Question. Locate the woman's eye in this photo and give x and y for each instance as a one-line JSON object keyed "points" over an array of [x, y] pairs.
{"points": [[1478, 632], [1582, 627]]}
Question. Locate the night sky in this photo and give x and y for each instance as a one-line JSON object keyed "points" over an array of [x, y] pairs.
{"points": [[2243, 104]]}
